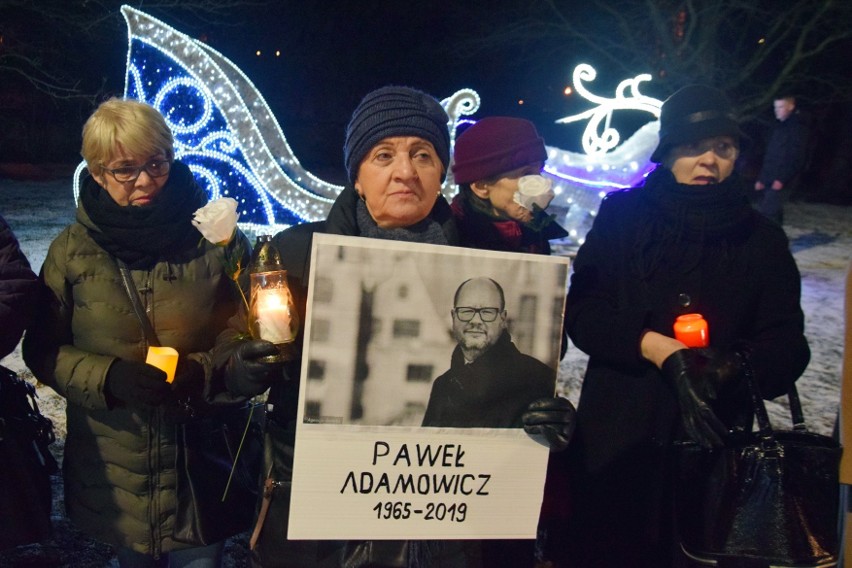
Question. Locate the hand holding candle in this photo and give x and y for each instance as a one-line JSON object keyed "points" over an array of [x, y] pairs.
{"points": [[165, 359]]}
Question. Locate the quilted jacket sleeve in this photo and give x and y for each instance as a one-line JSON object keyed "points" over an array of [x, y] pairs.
{"points": [[48, 346]]}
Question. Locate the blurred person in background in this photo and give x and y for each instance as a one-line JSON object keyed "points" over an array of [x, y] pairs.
{"points": [[784, 159]]}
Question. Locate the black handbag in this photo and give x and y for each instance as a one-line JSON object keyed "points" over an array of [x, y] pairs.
{"points": [[26, 464], [219, 451], [217, 481], [767, 498]]}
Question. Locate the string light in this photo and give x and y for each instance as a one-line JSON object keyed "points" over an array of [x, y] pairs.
{"points": [[582, 180], [227, 135]]}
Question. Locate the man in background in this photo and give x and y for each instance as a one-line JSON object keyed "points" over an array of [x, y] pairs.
{"points": [[784, 159]]}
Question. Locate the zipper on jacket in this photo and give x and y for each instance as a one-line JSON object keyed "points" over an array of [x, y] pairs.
{"points": [[154, 437], [153, 482]]}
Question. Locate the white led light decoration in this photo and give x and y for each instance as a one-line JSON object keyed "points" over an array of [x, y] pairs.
{"points": [[227, 135], [582, 180], [595, 140]]}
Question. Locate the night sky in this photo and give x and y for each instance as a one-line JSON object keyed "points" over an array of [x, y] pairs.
{"points": [[333, 53]]}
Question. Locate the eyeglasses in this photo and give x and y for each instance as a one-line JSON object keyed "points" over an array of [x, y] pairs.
{"points": [[154, 168], [485, 314], [722, 148]]}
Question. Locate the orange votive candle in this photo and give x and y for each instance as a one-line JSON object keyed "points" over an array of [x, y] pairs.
{"points": [[691, 330]]}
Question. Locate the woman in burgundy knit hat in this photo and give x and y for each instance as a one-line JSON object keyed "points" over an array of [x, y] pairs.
{"points": [[502, 194]]}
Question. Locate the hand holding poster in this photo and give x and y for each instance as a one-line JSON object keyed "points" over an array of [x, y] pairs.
{"points": [[418, 362]]}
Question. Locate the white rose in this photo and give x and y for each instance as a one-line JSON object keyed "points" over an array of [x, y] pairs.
{"points": [[534, 189], [217, 220]]}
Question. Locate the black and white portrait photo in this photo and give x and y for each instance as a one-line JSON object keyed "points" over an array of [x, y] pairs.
{"points": [[386, 321], [418, 362]]}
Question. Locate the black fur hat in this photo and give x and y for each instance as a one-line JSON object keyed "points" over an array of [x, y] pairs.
{"points": [[694, 113]]}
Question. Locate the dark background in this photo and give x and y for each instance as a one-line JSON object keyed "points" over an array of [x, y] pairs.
{"points": [[332, 52]]}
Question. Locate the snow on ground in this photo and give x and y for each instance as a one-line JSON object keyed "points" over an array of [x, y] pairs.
{"points": [[821, 241]]}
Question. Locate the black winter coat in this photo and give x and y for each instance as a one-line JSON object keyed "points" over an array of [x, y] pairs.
{"points": [[18, 288], [786, 151], [492, 392], [273, 548], [745, 282]]}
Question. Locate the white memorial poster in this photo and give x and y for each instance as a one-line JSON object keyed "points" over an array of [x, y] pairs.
{"points": [[418, 362]]}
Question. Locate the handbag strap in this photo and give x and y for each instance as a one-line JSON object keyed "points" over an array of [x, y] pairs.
{"points": [[767, 435], [133, 294], [759, 406], [796, 410]]}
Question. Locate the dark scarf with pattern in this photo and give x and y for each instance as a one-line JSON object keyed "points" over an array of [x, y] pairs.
{"points": [[426, 231], [680, 222], [140, 236]]}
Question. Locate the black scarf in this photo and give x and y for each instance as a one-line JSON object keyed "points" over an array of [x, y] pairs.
{"points": [[426, 231], [140, 236], [678, 219]]}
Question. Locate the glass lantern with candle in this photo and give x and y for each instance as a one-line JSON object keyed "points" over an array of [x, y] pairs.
{"points": [[272, 313]]}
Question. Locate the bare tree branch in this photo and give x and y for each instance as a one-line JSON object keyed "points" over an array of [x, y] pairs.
{"points": [[751, 49]]}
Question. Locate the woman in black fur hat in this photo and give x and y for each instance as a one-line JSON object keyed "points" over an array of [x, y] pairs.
{"points": [[685, 241]]}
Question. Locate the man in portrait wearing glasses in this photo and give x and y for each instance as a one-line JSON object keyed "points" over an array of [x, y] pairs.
{"points": [[490, 383]]}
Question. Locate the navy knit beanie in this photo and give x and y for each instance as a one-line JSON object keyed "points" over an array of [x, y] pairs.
{"points": [[496, 145], [395, 111]]}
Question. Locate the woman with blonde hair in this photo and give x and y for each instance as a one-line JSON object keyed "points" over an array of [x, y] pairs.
{"points": [[135, 210]]}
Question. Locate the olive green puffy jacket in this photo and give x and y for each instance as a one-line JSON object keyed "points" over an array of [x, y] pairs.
{"points": [[119, 463]]}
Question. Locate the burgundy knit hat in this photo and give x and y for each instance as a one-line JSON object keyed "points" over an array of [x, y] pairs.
{"points": [[496, 145]]}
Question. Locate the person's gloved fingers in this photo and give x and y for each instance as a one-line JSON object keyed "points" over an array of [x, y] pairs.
{"points": [[557, 436], [713, 424], [256, 349], [135, 383], [720, 366], [189, 376], [151, 387], [703, 426], [152, 396], [554, 403], [553, 418], [258, 367]]}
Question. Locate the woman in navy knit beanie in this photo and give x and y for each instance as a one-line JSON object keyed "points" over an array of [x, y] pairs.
{"points": [[396, 154]]}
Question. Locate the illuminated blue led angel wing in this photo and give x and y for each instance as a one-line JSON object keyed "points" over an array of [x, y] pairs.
{"points": [[226, 133], [223, 128]]}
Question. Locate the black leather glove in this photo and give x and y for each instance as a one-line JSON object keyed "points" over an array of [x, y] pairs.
{"points": [[189, 379], [720, 367], [694, 378], [554, 419], [247, 373], [136, 384]]}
